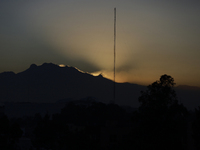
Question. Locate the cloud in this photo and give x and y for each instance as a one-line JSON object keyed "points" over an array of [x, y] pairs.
{"points": [[127, 67]]}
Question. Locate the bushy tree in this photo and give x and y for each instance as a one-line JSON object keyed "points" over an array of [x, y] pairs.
{"points": [[160, 119], [159, 94]]}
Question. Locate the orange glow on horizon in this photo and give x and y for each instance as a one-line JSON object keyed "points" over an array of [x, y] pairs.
{"points": [[120, 77]]}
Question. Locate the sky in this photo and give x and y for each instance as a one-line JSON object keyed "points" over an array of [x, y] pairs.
{"points": [[154, 37]]}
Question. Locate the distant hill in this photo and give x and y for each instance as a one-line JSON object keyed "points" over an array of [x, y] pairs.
{"points": [[188, 95], [186, 87], [50, 83]]}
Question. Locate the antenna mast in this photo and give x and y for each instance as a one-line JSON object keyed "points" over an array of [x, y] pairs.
{"points": [[114, 49]]}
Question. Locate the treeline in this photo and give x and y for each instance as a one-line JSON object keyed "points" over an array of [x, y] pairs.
{"points": [[80, 127]]}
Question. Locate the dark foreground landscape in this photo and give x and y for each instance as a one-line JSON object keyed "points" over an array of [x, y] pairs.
{"points": [[60, 108]]}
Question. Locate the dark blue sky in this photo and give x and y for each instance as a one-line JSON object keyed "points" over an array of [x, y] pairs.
{"points": [[153, 37]]}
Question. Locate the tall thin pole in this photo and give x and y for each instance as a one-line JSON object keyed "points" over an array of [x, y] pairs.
{"points": [[114, 50]]}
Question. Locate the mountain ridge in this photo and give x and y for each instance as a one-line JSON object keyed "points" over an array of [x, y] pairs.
{"points": [[34, 66], [50, 83]]}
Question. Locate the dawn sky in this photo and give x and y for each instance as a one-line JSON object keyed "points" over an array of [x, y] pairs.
{"points": [[154, 37]]}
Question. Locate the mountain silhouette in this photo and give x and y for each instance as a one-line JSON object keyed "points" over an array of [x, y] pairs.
{"points": [[50, 83]]}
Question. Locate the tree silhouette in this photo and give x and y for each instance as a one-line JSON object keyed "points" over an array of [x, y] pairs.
{"points": [[160, 120], [9, 133], [160, 94], [196, 128], [78, 126]]}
